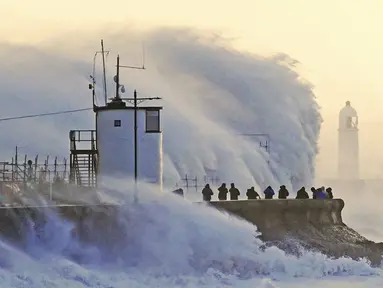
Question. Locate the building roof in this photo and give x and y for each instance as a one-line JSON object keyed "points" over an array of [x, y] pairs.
{"points": [[121, 105]]}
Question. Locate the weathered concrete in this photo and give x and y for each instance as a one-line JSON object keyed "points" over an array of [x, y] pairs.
{"points": [[312, 224], [269, 215], [90, 223], [288, 224]]}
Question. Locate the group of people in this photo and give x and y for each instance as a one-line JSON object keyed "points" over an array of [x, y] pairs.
{"points": [[283, 193]]}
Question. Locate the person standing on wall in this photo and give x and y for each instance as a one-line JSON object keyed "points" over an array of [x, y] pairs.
{"points": [[314, 191], [222, 192], [320, 194], [269, 192], [234, 192], [302, 194], [252, 194], [283, 192], [207, 193]]}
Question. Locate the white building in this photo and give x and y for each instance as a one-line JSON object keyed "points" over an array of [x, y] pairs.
{"points": [[116, 142], [126, 144], [348, 144]]}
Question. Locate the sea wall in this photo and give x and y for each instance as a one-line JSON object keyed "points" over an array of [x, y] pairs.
{"points": [[89, 223], [275, 218], [292, 225]]}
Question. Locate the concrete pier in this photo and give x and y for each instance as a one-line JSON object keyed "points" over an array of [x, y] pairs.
{"points": [[274, 218], [289, 224]]}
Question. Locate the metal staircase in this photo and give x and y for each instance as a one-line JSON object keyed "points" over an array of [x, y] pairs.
{"points": [[83, 158]]}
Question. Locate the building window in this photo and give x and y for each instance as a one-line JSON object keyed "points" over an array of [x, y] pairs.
{"points": [[117, 123], [152, 121]]}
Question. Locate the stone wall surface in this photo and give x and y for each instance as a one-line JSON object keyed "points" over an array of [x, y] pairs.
{"points": [[290, 224], [293, 224]]}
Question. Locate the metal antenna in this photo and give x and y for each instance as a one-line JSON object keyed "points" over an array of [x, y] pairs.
{"points": [[135, 101], [117, 78], [103, 70], [143, 61], [93, 76], [143, 55]]}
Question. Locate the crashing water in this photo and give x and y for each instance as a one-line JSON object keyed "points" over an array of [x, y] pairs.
{"points": [[211, 94], [170, 243]]}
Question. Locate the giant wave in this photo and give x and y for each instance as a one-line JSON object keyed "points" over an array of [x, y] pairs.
{"points": [[211, 94]]}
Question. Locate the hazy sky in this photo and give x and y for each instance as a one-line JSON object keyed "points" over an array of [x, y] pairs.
{"points": [[338, 43]]}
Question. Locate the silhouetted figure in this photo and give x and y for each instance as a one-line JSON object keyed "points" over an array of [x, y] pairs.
{"points": [[222, 192], [179, 192], [283, 193], [321, 193], [207, 193], [302, 194], [314, 191], [269, 192], [30, 170], [252, 194], [329, 193], [234, 192]]}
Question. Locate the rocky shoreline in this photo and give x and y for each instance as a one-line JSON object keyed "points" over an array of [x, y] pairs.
{"points": [[338, 241], [314, 225]]}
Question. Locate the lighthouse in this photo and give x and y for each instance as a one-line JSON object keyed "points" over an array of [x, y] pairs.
{"points": [[129, 138], [348, 144]]}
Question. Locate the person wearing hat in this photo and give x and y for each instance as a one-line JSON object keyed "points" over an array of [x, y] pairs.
{"points": [[283, 192]]}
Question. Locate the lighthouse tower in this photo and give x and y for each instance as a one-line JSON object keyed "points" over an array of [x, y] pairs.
{"points": [[129, 138], [348, 144]]}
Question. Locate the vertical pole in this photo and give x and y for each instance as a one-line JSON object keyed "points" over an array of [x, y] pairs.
{"points": [[103, 69], [135, 147], [64, 174], [46, 168], [118, 77], [13, 173], [71, 169], [135, 137], [25, 169], [36, 159], [93, 90], [50, 185], [16, 164]]}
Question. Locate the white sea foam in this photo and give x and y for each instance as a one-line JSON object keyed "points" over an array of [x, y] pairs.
{"points": [[211, 93]]}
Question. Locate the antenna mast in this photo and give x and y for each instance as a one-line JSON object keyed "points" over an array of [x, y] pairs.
{"points": [[135, 101], [117, 78], [103, 69], [93, 76]]}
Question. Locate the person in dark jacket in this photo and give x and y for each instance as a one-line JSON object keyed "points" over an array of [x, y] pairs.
{"points": [[329, 193], [302, 194], [234, 192], [207, 193], [252, 194], [269, 192], [283, 192], [222, 192], [321, 193], [314, 191]]}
